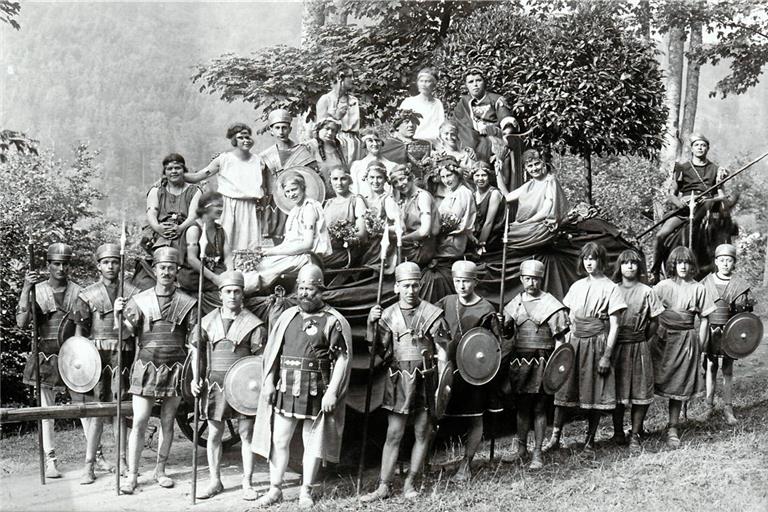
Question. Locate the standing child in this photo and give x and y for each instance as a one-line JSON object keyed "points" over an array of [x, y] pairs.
{"points": [[406, 329], [595, 304], [678, 349], [730, 295], [632, 363]]}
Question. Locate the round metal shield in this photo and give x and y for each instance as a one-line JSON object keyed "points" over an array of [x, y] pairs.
{"points": [[742, 335], [478, 356], [443, 392], [66, 329], [242, 384], [315, 187], [79, 364], [559, 368]]}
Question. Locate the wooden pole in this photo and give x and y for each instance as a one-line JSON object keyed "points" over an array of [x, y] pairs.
{"points": [[121, 293], [60, 412], [36, 355], [196, 434]]}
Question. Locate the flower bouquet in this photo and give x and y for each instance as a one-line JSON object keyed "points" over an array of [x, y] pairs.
{"points": [[448, 223], [246, 260], [374, 223], [343, 233]]}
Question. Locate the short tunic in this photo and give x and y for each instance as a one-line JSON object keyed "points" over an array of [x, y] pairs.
{"points": [[730, 297], [161, 324], [306, 359], [171, 207], [243, 185], [468, 400], [459, 203], [677, 350], [404, 333], [538, 321], [632, 361], [95, 314], [226, 341], [522, 233], [590, 301], [53, 310]]}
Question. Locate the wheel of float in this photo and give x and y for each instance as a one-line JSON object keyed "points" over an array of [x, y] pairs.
{"points": [[185, 420]]}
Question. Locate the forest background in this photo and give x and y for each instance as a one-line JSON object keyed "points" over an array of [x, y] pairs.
{"points": [[106, 90]]}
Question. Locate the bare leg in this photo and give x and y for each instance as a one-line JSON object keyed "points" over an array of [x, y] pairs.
{"points": [[638, 417], [539, 422], [395, 431], [213, 452], [474, 436], [673, 439], [245, 429], [47, 399], [524, 408], [421, 429], [310, 465], [167, 419], [282, 432], [142, 410], [711, 382], [557, 429]]}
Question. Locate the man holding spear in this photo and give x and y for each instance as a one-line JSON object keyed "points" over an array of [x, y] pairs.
{"points": [[94, 314], [161, 319], [55, 302]]}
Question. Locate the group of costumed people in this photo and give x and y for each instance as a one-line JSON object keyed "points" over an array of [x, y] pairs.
{"points": [[631, 341]]}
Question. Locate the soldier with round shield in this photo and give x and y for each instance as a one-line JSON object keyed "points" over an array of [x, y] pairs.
{"points": [[95, 315], [466, 311], [56, 301], [730, 293], [407, 330], [230, 333], [540, 325], [161, 319], [306, 376]]}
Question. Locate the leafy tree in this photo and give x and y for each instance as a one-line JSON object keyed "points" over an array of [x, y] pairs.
{"points": [[8, 12], [10, 139], [44, 201]]}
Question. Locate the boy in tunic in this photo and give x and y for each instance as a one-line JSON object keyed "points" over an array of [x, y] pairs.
{"points": [[95, 315], [541, 323], [464, 311], [229, 334], [161, 319], [406, 330], [306, 376], [56, 303], [730, 293], [595, 305], [677, 350], [633, 365]]}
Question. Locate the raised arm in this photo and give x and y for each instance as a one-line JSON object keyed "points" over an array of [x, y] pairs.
{"points": [[206, 172]]}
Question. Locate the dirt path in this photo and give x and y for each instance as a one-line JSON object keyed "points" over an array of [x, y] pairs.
{"points": [[718, 466]]}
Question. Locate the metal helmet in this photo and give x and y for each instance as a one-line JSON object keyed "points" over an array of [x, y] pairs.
{"points": [[312, 275], [59, 252], [533, 268], [166, 255], [280, 115], [231, 278], [407, 271], [726, 250], [464, 269], [107, 251]]}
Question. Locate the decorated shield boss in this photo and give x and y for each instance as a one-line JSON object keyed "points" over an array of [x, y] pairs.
{"points": [[79, 364], [742, 335], [443, 391], [478, 356], [242, 384], [559, 368]]}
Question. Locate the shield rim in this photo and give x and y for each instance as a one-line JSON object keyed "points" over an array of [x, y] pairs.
{"points": [[565, 347], [88, 346], [726, 347], [460, 365], [310, 177], [230, 375], [446, 375], [66, 323]]}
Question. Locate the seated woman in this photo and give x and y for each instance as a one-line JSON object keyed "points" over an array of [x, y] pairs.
{"points": [[448, 144], [242, 181], [542, 204], [345, 218], [218, 255], [306, 237], [373, 144], [402, 147], [328, 151], [489, 222], [425, 103], [457, 211], [171, 207], [417, 216]]}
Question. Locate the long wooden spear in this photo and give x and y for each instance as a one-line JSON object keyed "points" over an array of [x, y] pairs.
{"points": [[198, 360], [372, 359], [121, 293], [36, 355]]}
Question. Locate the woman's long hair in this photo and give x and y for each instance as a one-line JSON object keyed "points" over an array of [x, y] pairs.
{"points": [[627, 256]]}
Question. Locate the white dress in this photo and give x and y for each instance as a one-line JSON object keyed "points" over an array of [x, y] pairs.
{"points": [[358, 170], [433, 115], [243, 187]]}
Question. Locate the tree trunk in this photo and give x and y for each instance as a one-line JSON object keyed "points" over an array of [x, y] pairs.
{"points": [[339, 13], [691, 90], [445, 19], [644, 17], [312, 17], [588, 166]]}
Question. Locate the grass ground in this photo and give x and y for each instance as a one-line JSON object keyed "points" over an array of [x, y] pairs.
{"points": [[718, 468]]}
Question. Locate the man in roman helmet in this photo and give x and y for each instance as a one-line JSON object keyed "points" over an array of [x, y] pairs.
{"points": [[56, 302], [306, 375], [163, 320]]}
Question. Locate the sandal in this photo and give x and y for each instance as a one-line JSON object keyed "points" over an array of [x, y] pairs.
{"points": [[273, 497], [212, 491], [163, 481], [305, 498], [673, 440], [382, 492], [129, 486], [250, 494], [411, 494]]}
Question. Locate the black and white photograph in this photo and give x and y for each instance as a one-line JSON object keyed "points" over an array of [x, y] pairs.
{"points": [[377, 255]]}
